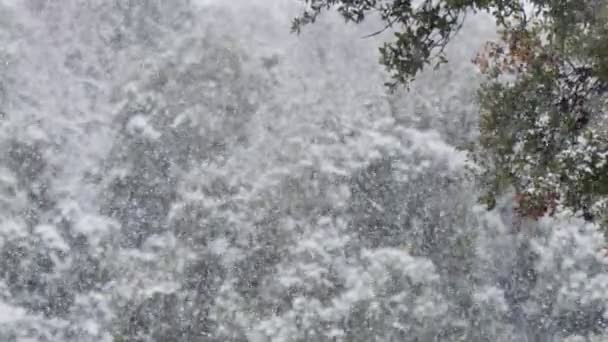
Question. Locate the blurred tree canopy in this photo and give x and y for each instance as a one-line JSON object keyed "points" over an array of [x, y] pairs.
{"points": [[542, 131]]}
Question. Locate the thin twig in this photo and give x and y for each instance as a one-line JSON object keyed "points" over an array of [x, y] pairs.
{"points": [[389, 25]]}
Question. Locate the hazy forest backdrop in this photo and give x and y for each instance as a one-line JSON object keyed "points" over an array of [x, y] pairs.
{"points": [[193, 171]]}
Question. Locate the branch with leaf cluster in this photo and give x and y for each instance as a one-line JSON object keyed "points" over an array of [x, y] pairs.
{"points": [[421, 31]]}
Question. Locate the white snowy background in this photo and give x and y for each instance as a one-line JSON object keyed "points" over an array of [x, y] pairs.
{"points": [[192, 171]]}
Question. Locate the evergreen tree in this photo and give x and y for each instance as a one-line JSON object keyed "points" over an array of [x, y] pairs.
{"points": [[542, 130]]}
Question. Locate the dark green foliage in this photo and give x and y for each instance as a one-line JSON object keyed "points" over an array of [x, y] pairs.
{"points": [[542, 130]]}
